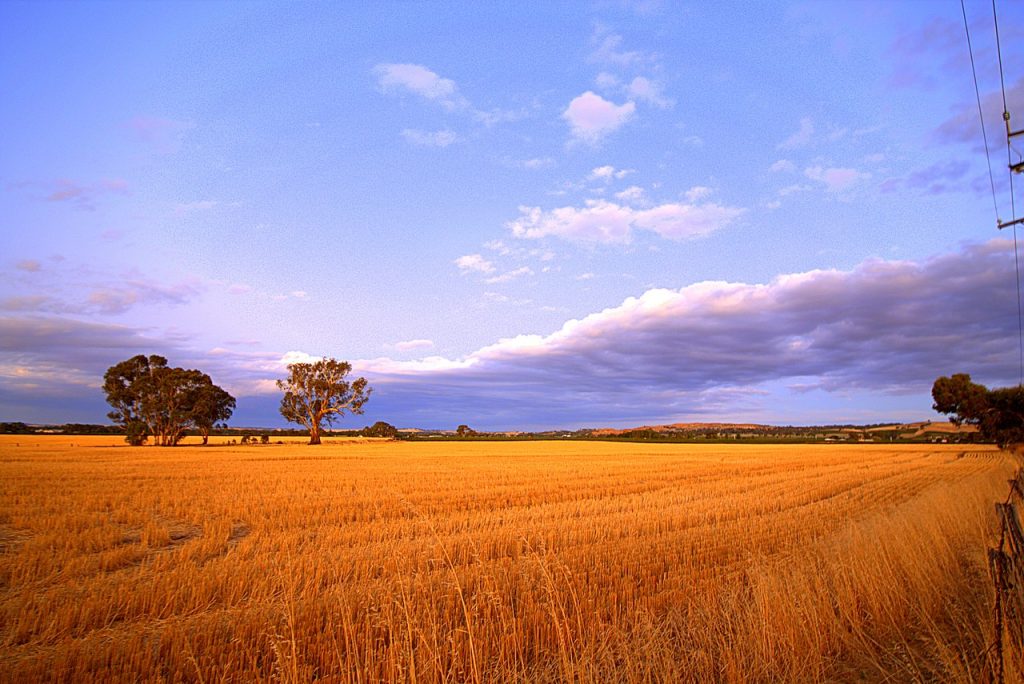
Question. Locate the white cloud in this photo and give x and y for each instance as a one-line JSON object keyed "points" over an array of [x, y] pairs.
{"points": [[801, 137], [634, 194], [536, 163], [510, 275], [297, 357], [648, 91], [697, 193], [836, 179], [608, 50], [412, 345], [606, 81], [607, 173], [829, 330], [782, 166], [793, 189], [607, 222], [430, 138], [591, 117], [471, 263], [420, 80]]}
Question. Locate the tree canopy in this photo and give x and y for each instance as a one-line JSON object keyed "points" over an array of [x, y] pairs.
{"points": [[380, 429], [998, 413], [150, 398], [318, 393]]}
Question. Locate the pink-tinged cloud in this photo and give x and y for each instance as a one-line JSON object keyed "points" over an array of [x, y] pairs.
{"points": [[412, 345], [419, 80], [471, 263], [607, 222], [801, 138], [82, 195], [836, 179], [591, 117], [882, 327]]}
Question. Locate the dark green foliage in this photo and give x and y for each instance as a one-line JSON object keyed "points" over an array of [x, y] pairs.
{"points": [[212, 405], [998, 413], [465, 431], [151, 399], [136, 432], [380, 429]]}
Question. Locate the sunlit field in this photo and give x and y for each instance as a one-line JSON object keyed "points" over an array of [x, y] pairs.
{"points": [[368, 561]]}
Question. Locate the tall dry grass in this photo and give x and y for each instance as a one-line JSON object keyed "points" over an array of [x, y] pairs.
{"points": [[494, 562]]}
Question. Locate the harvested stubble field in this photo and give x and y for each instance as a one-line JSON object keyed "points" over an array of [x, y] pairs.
{"points": [[494, 562]]}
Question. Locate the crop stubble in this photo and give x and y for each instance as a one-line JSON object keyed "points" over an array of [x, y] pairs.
{"points": [[370, 561]]}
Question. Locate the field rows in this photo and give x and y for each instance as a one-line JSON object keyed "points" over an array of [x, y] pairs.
{"points": [[547, 561]]}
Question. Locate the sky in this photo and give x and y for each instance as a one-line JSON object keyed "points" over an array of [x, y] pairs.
{"points": [[513, 216]]}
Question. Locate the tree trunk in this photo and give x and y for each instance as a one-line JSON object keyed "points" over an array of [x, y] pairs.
{"points": [[314, 434]]}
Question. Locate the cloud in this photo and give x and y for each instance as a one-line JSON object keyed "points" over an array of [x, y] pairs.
{"points": [[419, 80], [937, 179], [535, 163], [964, 127], [118, 299], [412, 345], [81, 195], [801, 137], [709, 348], [608, 50], [646, 90], [608, 222], [697, 193], [183, 208], [106, 299], [430, 138], [28, 265], [607, 173], [474, 263], [782, 165], [591, 117], [836, 179], [885, 327], [634, 194], [510, 275]]}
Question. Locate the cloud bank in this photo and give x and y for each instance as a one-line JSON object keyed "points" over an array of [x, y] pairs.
{"points": [[883, 328]]}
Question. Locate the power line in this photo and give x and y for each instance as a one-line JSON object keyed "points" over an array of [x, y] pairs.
{"points": [[1006, 111], [1013, 208], [981, 117]]}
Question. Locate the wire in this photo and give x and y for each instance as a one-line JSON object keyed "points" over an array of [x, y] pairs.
{"points": [[1006, 111], [1013, 208], [981, 117]]}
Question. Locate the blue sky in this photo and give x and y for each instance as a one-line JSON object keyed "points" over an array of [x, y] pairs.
{"points": [[554, 215]]}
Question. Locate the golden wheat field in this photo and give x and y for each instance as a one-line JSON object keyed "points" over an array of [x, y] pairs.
{"points": [[366, 561]]}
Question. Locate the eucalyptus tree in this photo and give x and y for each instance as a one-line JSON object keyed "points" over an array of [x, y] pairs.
{"points": [[318, 393]]}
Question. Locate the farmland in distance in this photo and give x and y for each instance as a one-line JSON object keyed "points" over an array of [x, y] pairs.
{"points": [[368, 561]]}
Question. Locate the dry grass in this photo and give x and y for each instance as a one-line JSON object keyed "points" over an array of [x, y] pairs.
{"points": [[493, 562]]}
